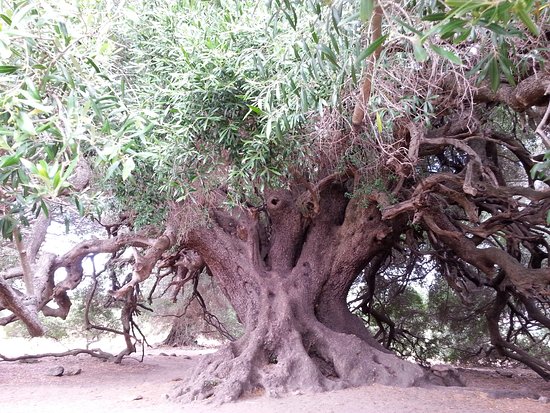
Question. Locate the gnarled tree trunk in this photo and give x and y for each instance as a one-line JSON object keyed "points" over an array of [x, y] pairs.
{"points": [[287, 270]]}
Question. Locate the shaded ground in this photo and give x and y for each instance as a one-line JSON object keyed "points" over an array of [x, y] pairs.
{"points": [[134, 386]]}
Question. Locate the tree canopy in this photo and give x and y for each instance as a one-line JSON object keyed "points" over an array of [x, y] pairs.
{"points": [[294, 150]]}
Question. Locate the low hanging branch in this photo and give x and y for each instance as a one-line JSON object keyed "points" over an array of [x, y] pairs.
{"points": [[26, 306], [12, 301], [531, 281], [94, 353], [506, 348], [145, 263]]}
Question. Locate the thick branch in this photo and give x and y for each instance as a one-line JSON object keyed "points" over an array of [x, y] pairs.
{"points": [[529, 92], [37, 236], [12, 301], [144, 263], [508, 349], [287, 230], [485, 259]]}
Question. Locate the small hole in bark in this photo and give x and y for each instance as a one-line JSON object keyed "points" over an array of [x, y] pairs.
{"points": [[271, 295], [274, 202], [370, 218], [272, 358]]}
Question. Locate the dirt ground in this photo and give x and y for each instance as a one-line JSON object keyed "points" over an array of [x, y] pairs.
{"points": [[141, 387]]}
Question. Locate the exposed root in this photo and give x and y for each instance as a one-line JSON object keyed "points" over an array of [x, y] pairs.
{"points": [[356, 363], [307, 360], [222, 373]]}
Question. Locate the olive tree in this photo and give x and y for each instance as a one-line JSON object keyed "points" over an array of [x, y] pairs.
{"points": [[289, 149]]}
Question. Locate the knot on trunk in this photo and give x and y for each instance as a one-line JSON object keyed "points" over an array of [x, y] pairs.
{"points": [[278, 201]]}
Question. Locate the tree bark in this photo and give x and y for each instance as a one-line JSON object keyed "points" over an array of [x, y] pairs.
{"points": [[287, 349], [299, 334]]}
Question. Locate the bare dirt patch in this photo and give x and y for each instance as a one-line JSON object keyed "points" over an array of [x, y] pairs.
{"points": [[133, 386]]}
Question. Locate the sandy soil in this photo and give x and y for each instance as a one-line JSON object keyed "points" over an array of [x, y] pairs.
{"points": [[140, 387]]}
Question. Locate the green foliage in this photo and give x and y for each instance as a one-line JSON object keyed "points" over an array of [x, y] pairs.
{"points": [[459, 328], [176, 95], [59, 101], [460, 21], [492, 40], [412, 319], [433, 322], [429, 323], [227, 93]]}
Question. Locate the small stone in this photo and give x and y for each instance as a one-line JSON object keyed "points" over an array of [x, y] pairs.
{"points": [[543, 399], [73, 372], [177, 379], [56, 371], [163, 354], [138, 397], [173, 355]]}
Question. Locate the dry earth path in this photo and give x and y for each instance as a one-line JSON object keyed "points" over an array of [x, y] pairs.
{"points": [[103, 387]]}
